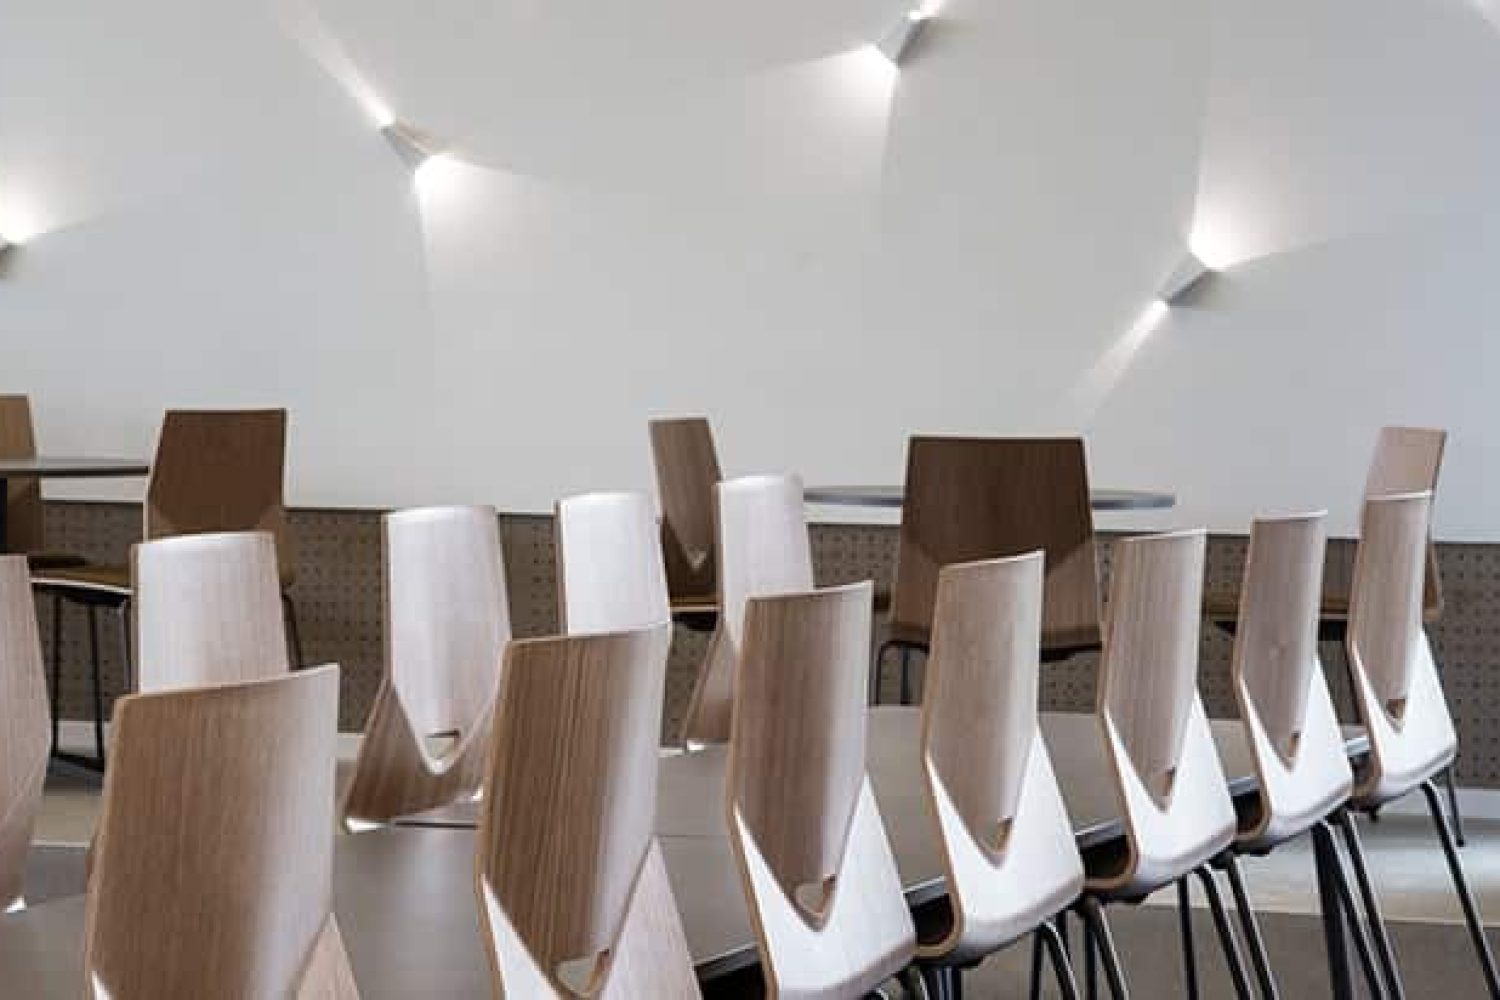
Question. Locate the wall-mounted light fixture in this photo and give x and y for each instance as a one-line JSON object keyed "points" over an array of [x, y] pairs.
{"points": [[413, 146], [1189, 275], [897, 42]]}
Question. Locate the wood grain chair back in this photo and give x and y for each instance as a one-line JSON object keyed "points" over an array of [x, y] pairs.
{"points": [[1409, 460], [829, 911], [609, 564], [23, 498], [687, 470], [1007, 840], [24, 726], [219, 470], [447, 620], [571, 884], [207, 610], [1178, 813], [764, 548], [983, 498], [213, 866], [1397, 688], [1283, 697]]}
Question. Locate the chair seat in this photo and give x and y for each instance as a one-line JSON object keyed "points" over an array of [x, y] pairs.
{"points": [[54, 560]]}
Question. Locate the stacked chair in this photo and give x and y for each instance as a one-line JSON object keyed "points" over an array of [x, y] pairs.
{"points": [[23, 727]]}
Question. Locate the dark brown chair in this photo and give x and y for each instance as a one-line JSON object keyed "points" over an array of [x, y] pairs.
{"points": [[23, 499], [687, 470], [969, 499], [215, 471]]}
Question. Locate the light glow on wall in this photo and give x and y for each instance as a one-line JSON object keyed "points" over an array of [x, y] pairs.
{"points": [[302, 23], [1090, 392]]}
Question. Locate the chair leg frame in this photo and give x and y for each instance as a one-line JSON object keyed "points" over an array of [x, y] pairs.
{"points": [[1380, 935], [1250, 927], [1461, 889], [1227, 940], [1185, 932], [1099, 944]]}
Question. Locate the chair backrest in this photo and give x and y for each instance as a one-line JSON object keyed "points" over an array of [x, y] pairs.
{"points": [[1397, 688], [1283, 697], [24, 725], [1177, 807], [1008, 842], [609, 564], [207, 610], [213, 866], [687, 470], [1408, 460], [23, 498], [830, 913], [984, 498], [447, 620], [219, 470], [764, 548], [570, 881]]}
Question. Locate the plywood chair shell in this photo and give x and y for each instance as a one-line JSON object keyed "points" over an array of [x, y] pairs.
{"points": [[24, 725], [207, 610], [764, 548], [569, 873], [23, 497], [447, 621], [982, 498], [225, 795], [687, 469], [802, 814], [1290, 723], [1173, 793], [1396, 685], [610, 575], [1008, 847], [1409, 460]]}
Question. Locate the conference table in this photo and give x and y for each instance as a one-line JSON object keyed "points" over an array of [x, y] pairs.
{"points": [[888, 496], [405, 902], [56, 467]]}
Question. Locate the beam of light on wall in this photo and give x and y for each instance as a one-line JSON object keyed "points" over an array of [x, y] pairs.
{"points": [[1096, 385], [303, 25], [869, 77], [18, 222]]}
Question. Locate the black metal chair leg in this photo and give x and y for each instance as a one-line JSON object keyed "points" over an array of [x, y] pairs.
{"points": [[1456, 817], [1373, 977], [1189, 952], [1259, 961], [57, 623], [905, 675], [1461, 887], [1090, 964], [127, 650], [1061, 967], [1227, 940], [875, 666], [293, 631], [1096, 930], [1379, 933], [1035, 991], [93, 613], [1330, 906]]}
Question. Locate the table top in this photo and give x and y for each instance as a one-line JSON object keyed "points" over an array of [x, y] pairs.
{"points": [[70, 467], [893, 496], [405, 901]]}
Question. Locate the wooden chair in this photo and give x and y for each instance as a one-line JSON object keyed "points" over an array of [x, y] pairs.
{"points": [[825, 897], [609, 564], [1291, 728], [1396, 685], [985, 498], [1175, 799], [23, 727], [23, 499], [687, 470], [446, 624], [763, 548], [1008, 847], [207, 610], [215, 471], [213, 868], [573, 892]]}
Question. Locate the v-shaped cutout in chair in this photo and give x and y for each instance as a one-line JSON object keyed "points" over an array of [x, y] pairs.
{"points": [[687, 470], [426, 742], [24, 723], [825, 896], [1011, 862], [572, 890], [213, 866], [763, 549]]}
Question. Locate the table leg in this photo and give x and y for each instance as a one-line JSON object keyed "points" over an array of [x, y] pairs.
{"points": [[4, 514], [1326, 856]]}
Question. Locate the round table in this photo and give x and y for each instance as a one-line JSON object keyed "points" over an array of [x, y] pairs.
{"points": [[893, 496]]}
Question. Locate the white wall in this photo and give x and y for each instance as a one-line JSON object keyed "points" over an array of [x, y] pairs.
{"points": [[734, 209]]}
